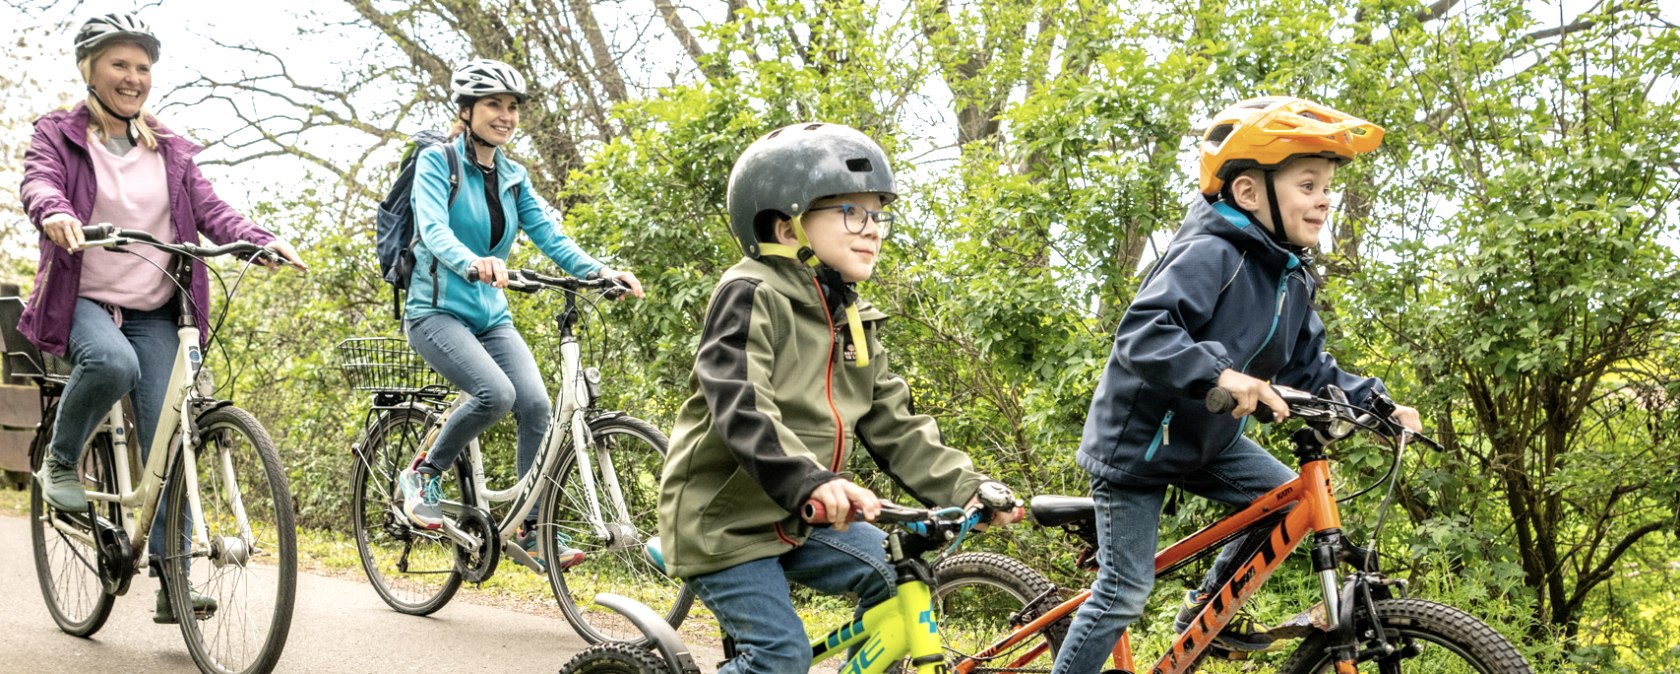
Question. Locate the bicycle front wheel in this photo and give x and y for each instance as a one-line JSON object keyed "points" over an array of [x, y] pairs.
{"points": [[65, 562], [1425, 636], [412, 569], [980, 597], [233, 598], [614, 557]]}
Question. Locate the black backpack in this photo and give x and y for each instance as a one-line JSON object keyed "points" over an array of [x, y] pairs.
{"points": [[394, 226]]}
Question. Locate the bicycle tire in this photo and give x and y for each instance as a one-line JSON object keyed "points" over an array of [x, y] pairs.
{"points": [[1456, 642], [253, 580], [616, 658], [383, 533], [615, 562], [978, 597], [66, 567]]}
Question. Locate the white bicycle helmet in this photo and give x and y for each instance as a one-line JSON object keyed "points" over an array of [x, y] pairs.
{"points": [[100, 29], [478, 78]]}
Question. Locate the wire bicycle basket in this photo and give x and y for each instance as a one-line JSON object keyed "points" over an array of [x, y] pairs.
{"points": [[386, 365]]}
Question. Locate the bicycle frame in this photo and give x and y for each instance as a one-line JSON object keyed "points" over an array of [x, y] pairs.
{"points": [[1310, 503], [889, 631], [574, 402]]}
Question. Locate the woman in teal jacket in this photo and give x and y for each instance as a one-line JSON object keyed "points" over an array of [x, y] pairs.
{"points": [[462, 328]]}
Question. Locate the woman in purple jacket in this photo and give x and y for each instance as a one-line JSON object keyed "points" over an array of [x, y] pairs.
{"points": [[111, 313]]}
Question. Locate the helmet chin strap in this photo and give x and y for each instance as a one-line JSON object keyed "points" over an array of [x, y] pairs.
{"points": [[133, 138], [473, 138], [1276, 230], [828, 275]]}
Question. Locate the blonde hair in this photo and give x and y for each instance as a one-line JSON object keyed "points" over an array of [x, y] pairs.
{"points": [[99, 117]]}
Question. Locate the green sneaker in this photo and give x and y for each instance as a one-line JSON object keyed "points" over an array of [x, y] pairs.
{"points": [[203, 607], [61, 487], [1243, 633]]}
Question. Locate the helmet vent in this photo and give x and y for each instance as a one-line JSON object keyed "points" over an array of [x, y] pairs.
{"points": [[859, 165], [1219, 133], [813, 127]]}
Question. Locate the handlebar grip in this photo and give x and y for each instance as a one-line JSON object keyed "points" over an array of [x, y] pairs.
{"points": [[1219, 401], [100, 231], [472, 274], [815, 513]]}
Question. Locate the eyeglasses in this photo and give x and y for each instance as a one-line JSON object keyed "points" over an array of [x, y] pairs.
{"points": [[855, 217]]}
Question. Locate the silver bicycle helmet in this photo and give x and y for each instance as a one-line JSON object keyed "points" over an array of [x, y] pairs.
{"points": [[787, 169], [483, 77], [100, 29]]}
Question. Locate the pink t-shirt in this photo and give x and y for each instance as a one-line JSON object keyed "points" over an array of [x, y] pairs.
{"points": [[132, 193]]}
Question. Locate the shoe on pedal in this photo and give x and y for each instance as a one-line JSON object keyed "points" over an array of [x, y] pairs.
{"points": [[421, 487], [1243, 633], [203, 607], [61, 487], [568, 557]]}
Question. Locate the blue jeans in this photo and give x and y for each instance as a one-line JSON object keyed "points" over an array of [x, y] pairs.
{"points": [[751, 599], [107, 363], [1128, 530], [498, 374]]}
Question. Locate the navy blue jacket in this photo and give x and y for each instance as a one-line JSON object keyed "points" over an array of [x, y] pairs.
{"points": [[1224, 295]]}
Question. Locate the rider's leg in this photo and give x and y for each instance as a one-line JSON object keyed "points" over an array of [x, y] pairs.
{"points": [[454, 351], [752, 606], [155, 339], [103, 369], [1128, 524], [1236, 477]]}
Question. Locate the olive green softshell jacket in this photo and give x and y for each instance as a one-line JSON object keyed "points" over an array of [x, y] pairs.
{"points": [[776, 401]]}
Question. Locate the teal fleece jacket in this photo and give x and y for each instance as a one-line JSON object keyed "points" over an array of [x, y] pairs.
{"points": [[451, 237]]}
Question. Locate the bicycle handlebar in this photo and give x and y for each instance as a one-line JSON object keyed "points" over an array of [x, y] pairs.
{"points": [[815, 513], [106, 235], [1322, 412], [531, 281]]}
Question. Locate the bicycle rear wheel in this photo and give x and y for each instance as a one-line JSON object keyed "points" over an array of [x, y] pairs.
{"points": [[614, 560], [979, 597], [250, 567], [412, 569], [66, 564], [1427, 637]]}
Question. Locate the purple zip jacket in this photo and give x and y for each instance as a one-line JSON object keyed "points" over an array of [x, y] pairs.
{"points": [[58, 178]]}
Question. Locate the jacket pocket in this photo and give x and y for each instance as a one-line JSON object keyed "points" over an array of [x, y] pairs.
{"points": [[1163, 436]]}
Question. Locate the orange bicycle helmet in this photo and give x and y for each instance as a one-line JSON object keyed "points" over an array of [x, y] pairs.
{"points": [[1266, 133]]}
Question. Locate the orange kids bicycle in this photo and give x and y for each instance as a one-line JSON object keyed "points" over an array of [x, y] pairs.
{"points": [[1365, 623]]}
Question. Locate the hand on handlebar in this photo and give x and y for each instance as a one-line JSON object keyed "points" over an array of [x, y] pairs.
{"points": [[839, 498], [1249, 393], [997, 498], [624, 277], [286, 254], [490, 270], [65, 230], [1408, 417]]}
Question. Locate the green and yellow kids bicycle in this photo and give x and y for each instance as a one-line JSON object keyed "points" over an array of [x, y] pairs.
{"points": [[900, 634]]}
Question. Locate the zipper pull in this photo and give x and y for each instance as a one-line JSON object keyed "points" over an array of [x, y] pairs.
{"points": [[1166, 433], [1282, 296]]}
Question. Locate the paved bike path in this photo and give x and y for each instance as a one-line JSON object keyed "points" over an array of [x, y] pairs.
{"points": [[338, 625]]}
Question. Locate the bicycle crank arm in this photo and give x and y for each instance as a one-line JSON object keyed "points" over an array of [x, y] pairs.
{"points": [[461, 538], [513, 551]]}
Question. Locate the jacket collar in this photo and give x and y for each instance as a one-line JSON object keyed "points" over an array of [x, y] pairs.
{"points": [[1226, 222], [508, 173], [73, 125]]}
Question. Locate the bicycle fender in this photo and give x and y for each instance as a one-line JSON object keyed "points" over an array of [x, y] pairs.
{"points": [[664, 638]]}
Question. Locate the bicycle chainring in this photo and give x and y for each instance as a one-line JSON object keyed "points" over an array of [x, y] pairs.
{"points": [[478, 564]]}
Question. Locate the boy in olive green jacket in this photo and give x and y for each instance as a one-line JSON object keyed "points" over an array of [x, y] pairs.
{"points": [[789, 373]]}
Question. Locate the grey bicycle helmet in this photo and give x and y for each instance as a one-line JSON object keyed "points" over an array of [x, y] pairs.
{"points": [[478, 78], [787, 169], [101, 29]]}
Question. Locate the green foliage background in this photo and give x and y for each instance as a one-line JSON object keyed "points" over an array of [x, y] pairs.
{"points": [[1506, 261]]}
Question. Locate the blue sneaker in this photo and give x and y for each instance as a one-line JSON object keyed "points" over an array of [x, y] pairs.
{"points": [[421, 490], [568, 557]]}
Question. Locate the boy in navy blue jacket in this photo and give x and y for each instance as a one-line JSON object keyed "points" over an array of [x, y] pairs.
{"points": [[1230, 305]]}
